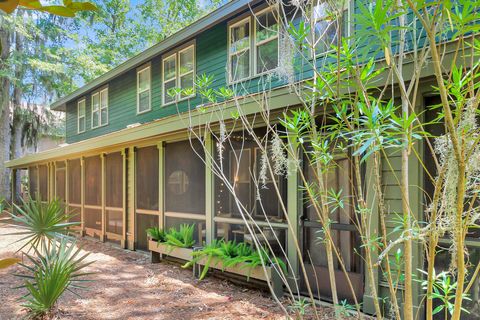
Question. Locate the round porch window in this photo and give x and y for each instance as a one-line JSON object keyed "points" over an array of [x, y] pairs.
{"points": [[178, 182]]}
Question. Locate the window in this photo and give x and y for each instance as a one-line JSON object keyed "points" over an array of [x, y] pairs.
{"points": [[266, 41], [143, 90], [239, 51], [326, 27], [81, 116], [100, 108], [181, 77]]}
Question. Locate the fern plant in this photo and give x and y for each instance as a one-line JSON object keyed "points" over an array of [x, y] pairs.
{"points": [[157, 234], [183, 237], [231, 254], [50, 274]]}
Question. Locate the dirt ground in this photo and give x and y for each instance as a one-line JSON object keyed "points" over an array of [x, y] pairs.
{"points": [[127, 286]]}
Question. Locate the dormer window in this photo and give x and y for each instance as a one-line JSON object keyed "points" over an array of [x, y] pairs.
{"points": [[239, 51], [143, 90], [100, 108]]}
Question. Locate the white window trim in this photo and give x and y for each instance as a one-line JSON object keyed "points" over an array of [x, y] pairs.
{"points": [[83, 118], [142, 69], [105, 107], [180, 75], [164, 92], [230, 54], [257, 44], [176, 55], [347, 9], [95, 110], [99, 110]]}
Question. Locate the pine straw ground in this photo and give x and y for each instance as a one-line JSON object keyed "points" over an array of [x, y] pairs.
{"points": [[127, 286]]}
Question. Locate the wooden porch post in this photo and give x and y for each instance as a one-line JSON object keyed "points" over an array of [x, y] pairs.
{"points": [[294, 206], [161, 185], [123, 242], [82, 196], [131, 199], [209, 192], [104, 187]]}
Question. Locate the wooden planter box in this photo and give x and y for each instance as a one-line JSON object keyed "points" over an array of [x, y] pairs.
{"points": [[242, 269], [159, 250]]}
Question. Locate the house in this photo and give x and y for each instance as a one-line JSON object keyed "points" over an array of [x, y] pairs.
{"points": [[128, 163]]}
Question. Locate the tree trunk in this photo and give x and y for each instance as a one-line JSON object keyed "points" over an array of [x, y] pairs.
{"points": [[4, 112]]}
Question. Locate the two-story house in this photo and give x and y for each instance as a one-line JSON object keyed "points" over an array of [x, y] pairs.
{"points": [[128, 164]]}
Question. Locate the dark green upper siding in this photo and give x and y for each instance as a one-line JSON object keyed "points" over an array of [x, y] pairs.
{"points": [[211, 59]]}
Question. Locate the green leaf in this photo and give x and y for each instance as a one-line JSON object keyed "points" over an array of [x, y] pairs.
{"points": [[59, 11]]}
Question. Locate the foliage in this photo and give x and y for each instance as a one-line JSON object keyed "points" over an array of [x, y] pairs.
{"points": [[51, 273], [299, 307], [68, 9], [183, 237], [157, 234], [230, 254], [42, 222], [7, 262]]}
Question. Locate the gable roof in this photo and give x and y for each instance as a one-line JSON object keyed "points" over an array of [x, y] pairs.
{"points": [[200, 25]]}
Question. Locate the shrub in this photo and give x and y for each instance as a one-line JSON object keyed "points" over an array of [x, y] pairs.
{"points": [[182, 238], [157, 234], [231, 254], [41, 221], [50, 274]]}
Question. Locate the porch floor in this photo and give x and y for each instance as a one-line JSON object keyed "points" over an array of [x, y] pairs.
{"points": [[127, 286]]}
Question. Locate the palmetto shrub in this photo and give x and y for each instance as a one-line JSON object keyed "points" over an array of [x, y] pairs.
{"points": [[50, 273], [41, 222]]}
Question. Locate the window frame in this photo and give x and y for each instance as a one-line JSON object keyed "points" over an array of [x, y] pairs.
{"points": [[176, 54], [347, 27], [83, 118], [230, 54], [99, 93], [274, 10], [141, 69]]}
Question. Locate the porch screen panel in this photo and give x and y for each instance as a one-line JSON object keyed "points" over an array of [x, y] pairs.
{"points": [[74, 182], [147, 178], [43, 182], [184, 178], [60, 181], [114, 180], [114, 192], [33, 181], [242, 165], [93, 218], [93, 192], [114, 221], [93, 181], [143, 222]]}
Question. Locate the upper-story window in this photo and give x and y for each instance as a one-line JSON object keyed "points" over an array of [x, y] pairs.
{"points": [[81, 116], [179, 72], [239, 52], [100, 108], [143, 90], [327, 24], [264, 56], [266, 41]]}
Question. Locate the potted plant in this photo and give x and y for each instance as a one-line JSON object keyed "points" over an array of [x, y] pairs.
{"points": [[174, 243]]}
